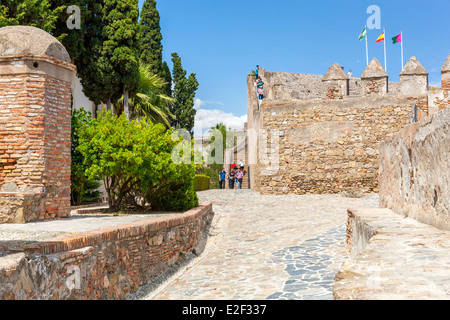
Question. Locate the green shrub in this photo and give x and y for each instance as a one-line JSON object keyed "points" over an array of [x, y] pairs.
{"points": [[83, 189], [202, 182], [134, 160]]}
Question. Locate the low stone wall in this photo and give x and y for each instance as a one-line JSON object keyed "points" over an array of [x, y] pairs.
{"points": [[20, 207], [393, 258], [330, 146], [108, 263], [414, 173]]}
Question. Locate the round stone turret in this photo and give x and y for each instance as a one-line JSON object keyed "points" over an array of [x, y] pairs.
{"points": [[35, 77]]}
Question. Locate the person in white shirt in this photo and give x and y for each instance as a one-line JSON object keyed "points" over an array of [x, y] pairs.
{"points": [[350, 74]]}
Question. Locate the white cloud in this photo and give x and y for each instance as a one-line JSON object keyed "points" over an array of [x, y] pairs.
{"points": [[198, 103], [205, 119]]}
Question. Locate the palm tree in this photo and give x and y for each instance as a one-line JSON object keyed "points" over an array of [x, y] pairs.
{"points": [[149, 101]]}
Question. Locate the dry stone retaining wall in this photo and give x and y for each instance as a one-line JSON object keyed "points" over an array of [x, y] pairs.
{"points": [[108, 263]]}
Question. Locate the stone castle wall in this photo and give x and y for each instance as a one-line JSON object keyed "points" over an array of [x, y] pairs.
{"points": [[414, 173], [330, 146], [330, 133]]}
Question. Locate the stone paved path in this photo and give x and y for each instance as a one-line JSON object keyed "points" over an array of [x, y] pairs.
{"points": [[267, 247]]}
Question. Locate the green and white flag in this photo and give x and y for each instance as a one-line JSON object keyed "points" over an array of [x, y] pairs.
{"points": [[363, 34]]}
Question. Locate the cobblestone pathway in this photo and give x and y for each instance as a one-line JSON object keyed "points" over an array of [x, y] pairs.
{"points": [[266, 247]]}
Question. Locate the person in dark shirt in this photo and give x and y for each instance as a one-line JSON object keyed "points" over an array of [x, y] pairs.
{"points": [[222, 176], [231, 178]]}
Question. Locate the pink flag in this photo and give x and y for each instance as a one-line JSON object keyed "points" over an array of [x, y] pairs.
{"points": [[397, 39]]}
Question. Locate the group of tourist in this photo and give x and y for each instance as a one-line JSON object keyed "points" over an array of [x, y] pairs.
{"points": [[260, 85], [235, 176]]}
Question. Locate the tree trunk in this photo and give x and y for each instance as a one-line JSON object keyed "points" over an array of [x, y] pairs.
{"points": [[126, 109]]}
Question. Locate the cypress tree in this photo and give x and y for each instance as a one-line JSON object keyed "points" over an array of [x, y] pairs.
{"points": [[150, 37], [120, 52], [150, 44], [184, 94]]}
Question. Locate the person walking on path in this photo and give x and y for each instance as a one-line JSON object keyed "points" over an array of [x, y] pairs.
{"points": [[231, 178], [259, 83], [239, 177], [257, 72], [222, 176], [261, 93]]}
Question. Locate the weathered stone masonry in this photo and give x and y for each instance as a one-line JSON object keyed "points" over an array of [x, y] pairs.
{"points": [[108, 263], [330, 143], [330, 146], [35, 89]]}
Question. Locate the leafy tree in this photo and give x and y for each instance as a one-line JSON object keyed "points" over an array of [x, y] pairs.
{"points": [[83, 189], [229, 140], [184, 94], [36, 13], [120, 51], [149, 102], [134, 160]]}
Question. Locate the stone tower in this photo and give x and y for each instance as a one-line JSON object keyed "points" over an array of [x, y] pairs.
{"points": [[35, 123], [335, 82], [374, 79], [414, 83], [414, 78]]}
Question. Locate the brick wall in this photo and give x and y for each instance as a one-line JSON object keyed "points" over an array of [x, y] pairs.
{"points": [[330, 146], [108, 263], [34, 137]]}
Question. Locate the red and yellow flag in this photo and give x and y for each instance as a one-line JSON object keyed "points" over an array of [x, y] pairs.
{"points": [[380, 38]]}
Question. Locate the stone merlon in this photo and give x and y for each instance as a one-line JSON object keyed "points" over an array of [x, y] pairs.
{"points": [[335, 72], [374, 70], [413, 67], [446, 67]]}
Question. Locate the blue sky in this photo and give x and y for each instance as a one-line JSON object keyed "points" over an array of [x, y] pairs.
{"points": [[222, 41]]}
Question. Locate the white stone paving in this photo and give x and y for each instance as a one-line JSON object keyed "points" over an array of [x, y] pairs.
{"points": [[266, 247]]}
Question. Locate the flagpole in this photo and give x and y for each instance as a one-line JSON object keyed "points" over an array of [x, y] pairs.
{"points": [[385, 61], [367, 49], [402, 50]]}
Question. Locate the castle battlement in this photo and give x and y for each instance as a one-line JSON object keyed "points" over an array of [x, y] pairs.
{"points": [[332, 125]]}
